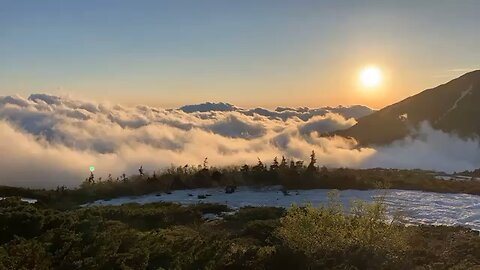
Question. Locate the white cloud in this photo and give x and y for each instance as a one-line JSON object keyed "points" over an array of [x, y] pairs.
{"points": [[47, 141], [428, 149]]}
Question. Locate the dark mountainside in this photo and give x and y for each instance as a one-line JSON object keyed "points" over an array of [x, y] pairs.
{"points": [[453, 107]]}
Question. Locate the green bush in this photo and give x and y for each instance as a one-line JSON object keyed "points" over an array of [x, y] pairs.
{"points": [[257, 213], [172, 236], [329, 237], [18, 218], [21, 254]]}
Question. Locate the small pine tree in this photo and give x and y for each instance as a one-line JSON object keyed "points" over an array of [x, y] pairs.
{"points": [[292, 164], [283, 163], [245, 168], [259, 166], [91, 179], [313, 160], [205, 163], [274, 165]]}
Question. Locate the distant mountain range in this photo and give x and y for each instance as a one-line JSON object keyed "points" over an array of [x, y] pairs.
{"points": [[281, 113], [453, 107]]}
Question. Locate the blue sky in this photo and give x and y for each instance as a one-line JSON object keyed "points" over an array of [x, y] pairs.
{"points": [[250, 53]]}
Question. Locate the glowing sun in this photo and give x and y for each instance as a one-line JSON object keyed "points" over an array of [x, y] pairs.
{"points": [[371, 76]]}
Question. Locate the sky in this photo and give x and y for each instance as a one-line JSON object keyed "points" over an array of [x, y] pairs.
{"points": [[248, 53]]}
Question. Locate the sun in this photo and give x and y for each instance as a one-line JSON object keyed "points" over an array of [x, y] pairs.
{"points": [[371, 76]]}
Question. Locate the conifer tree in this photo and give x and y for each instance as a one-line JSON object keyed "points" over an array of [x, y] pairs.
{"points": [[259, 166], [205, 163], [283, 163], [274, 165], [313, 160], [91, 179]]}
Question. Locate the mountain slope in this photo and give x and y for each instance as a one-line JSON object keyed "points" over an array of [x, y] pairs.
{"points": [[453, 107]]}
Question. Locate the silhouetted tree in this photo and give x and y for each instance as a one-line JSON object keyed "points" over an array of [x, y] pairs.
{"points": [[91, 179], [61, 189], [259, 167], [311, 166], [274, 165], [299, 164], [283, 163], [205, 163], [292, 164]]}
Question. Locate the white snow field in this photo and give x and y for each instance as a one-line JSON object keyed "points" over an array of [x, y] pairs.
{"points": [[24, 200], [415, 206]]}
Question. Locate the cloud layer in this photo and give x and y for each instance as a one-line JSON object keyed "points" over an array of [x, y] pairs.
{"points": [[48, 140]]}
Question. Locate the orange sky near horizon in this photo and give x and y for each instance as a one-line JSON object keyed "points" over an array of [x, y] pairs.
{"points": [[393, 88]]}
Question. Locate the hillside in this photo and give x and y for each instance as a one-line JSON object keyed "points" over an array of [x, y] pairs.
{"points": [[452, 107]]}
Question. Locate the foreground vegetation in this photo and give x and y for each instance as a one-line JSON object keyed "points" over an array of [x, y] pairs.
{"points": [[289, 174], [170, 236]]}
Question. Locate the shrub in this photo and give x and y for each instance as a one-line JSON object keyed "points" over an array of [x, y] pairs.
{"points": [[24, 254], [328, 236]]}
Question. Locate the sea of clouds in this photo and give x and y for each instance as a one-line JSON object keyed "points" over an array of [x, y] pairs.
{"points": [[48, 140]]}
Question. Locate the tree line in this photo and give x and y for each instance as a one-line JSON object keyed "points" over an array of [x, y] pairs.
{"points": [[290, 174]]}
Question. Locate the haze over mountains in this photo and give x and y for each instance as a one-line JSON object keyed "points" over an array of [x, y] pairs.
{"points": [[51, 140], [283, 113], [453, 107]]}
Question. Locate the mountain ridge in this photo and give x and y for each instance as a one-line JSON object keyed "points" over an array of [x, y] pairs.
{"points": [[283, 113], [451, 107]]}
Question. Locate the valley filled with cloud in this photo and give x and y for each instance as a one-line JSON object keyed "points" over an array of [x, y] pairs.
{"points": [[48, 140]]}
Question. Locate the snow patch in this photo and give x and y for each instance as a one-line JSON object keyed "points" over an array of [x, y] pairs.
{"points": [[418, 207], [455, 105]]}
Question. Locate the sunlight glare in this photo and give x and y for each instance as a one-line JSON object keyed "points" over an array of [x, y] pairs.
{"points": [[371, 76]]}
